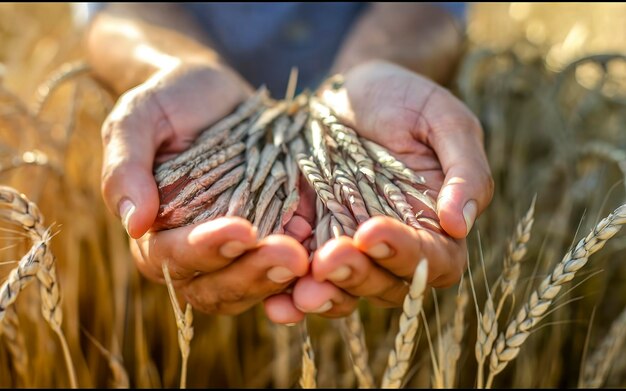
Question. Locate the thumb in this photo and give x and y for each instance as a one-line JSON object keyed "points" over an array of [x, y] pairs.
{"points": [[128, 184], [468, 187]]}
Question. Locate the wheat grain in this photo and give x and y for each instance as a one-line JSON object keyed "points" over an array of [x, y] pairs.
{"points": [[216, 159], [277, 178], [389, 162], [325, 193], [201, 183], [217, 209], [295, 128], [266, 163], [397, 201], [267, 223]]}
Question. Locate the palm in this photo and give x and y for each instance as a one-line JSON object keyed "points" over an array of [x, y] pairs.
{"points": [[438, 137], [190, 98]]}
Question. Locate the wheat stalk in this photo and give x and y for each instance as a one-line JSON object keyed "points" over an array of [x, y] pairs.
{"points": [[597, 367], [452, 338], [516, 251], [487, 331], [608, 152], [184, 323], [508, 344], [281, 363], [15, 344], [400, 355], [38, 262], [120, 375], [309, 372], [52, 312], [65, 72], [351, 329]]}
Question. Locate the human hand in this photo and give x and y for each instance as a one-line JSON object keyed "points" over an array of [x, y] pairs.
{"points": [[433, 133], [218, 266]]}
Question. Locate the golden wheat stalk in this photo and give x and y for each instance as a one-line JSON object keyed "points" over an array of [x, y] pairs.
{"points": [[309, 372], [116, 365], [184, 323], [353, 334], [516, 251], [508, 344], [400, 355], [39, 262], [597, 367], [487, 331], [16, 345], [66, 72], [451, 340]]}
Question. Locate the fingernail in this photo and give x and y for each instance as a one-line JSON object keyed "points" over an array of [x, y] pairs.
{"points": [[233, 249], [381, 250], [280, 274], [469, 214], [290, 324], [126, 209], [323, 308], [340, 274]]}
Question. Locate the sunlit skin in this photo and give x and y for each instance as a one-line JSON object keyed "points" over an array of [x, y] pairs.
{"points": [[220, 266]]}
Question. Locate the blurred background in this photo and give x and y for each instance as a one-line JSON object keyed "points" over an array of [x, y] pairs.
{"points": [[547, 81]]}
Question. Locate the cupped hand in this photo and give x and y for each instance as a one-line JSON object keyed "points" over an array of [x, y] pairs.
{"points": [[219, 266], [434, 134]]}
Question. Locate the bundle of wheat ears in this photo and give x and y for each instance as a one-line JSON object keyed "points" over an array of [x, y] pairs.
{"points": [[249, 164]]}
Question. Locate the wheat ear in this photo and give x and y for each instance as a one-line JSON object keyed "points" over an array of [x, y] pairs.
{"points": [[515, 255], [39, 262], [452, 338], [597, 367], [508, 344], [351, 329], [16, 345], [400, 355]]}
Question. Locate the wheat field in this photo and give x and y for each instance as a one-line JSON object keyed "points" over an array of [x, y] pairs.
{"points": [[542, 305]]}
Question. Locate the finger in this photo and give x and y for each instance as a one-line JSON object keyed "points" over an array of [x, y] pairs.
{"points": [[342, 263], [458, 142], [281, 309], [200, 248], [398, 248], [324, 298], [130, 143], [298, 228], [256, 275]]}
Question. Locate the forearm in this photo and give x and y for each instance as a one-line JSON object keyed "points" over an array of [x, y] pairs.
{"points": [[420, 37], [127, 43]]}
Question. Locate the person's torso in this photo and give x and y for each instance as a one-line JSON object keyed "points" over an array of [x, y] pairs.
{"points": [[263, 41]]}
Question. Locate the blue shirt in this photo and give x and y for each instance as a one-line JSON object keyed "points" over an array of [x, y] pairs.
{"points": [[263, 41]]}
